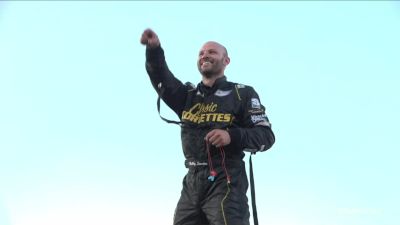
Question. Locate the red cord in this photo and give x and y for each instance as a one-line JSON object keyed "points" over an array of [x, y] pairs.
{"points": [[228, 178], [213, 173]]}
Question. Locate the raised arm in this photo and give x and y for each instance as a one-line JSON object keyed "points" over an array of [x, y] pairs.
{"points": [[170, 89]]}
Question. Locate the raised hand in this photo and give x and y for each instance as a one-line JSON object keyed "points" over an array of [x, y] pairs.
{"points": [[150, 39]]}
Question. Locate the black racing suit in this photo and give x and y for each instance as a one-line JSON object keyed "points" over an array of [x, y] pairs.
{"points": [[214, 189]]}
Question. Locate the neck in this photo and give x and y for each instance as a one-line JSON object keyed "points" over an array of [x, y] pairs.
{"points": [[209, 82]]}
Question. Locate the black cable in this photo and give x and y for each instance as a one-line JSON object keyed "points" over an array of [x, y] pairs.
{"points": [[253, 193]]}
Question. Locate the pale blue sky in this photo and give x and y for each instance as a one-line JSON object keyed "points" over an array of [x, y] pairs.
{"points": [[81, 141]]}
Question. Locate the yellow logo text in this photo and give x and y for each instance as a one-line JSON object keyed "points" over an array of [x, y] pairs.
{"points": [[201, 113]]}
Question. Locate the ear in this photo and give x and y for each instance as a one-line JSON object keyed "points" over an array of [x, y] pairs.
{"points": [[227, 60]]}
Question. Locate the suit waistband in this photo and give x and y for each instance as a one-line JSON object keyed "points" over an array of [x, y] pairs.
{"points": [[196, 163]]}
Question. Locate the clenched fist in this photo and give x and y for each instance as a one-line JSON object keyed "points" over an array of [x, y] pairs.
{"points": [[218, 137], [150, 39]]}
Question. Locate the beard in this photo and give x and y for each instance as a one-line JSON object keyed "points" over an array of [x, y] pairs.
{"points": [[214, 70], [208, 74]]}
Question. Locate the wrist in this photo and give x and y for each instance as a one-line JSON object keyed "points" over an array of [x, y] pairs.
{"points": [[236, 137]]}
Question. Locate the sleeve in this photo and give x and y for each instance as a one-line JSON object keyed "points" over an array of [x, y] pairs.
{"points": [[171, 90], [255, 134]]}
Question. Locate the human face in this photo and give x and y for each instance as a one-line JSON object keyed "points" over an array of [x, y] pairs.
{"points": [[212, 60]]}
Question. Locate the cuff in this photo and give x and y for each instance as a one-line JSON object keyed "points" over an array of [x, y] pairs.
{"points": [[236, 138]]}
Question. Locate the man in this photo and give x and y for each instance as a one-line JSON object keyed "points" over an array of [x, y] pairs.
{"points": [[219, 120]]}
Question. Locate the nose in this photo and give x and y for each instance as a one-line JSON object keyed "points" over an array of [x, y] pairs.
{"points": [[204, 56]]}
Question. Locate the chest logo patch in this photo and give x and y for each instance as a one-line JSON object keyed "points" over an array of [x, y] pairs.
{"points": [[206, 112], [222, 93]]}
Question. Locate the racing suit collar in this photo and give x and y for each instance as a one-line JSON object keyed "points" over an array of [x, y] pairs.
{"points": [[211, 90]]}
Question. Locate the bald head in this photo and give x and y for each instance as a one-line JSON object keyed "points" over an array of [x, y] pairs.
{"points": [[217, 46]]}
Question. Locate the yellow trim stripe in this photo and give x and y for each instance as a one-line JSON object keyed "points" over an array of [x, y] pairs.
{"points": [[237, 92], [222, 203]]}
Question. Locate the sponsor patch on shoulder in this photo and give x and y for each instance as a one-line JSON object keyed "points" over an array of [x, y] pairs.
{"points": [[222, 93], [256, 111], [260, 120], [255, 103], [240, 85]]}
